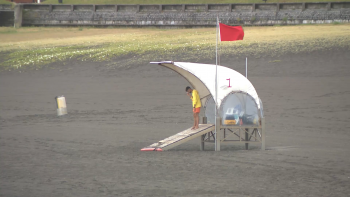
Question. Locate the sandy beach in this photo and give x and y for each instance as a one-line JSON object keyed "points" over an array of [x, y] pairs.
{"points": [[113, 113]]}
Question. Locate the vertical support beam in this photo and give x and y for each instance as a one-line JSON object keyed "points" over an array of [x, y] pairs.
{"points": [[239, 130], [253, 7], [263, 131], [50, 8], [116, 8], [246, 138], [303, 7], [256, 132], [217, 138], [206, 7], [201, 147], [160, 8], [94, 8], [138, 8], [229, 7], [72, 8], [277, 7], [183, 7], [329, 6], [18, 15]]}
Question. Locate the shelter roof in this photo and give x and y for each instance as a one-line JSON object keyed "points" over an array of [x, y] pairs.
{"points": [[202, 78]]}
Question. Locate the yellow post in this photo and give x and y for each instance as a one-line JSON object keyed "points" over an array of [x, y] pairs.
{"points": [[61, 105]]}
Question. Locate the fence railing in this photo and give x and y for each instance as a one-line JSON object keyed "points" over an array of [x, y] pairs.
{"points": [[188, 7]]}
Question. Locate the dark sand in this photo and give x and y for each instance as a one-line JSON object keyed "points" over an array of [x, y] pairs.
{"points": [[113, 113]]}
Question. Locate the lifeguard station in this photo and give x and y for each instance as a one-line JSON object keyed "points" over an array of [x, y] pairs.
{"points": [[240, 117]]}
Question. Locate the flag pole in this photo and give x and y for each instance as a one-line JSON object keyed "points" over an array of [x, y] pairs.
{"points": [[246, 67], [216, 81]]}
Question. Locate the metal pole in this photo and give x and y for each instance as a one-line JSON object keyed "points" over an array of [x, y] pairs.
{"points": [[246, 67], [217, 134], [201, 147], [246, 138], [216, 81], [263, 133]]}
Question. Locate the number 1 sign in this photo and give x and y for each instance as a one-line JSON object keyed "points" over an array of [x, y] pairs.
{"points": [[229, 84]]}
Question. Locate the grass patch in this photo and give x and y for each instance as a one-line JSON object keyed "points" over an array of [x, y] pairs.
{"points": [[9, 30], [37, 46], [176, 1], [5, 2]]}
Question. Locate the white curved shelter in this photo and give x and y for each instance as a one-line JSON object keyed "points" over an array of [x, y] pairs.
{"points": [[240, 111], [202, 78]]}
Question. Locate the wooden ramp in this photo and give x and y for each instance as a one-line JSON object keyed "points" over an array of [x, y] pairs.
{"points": [[180, 138]]}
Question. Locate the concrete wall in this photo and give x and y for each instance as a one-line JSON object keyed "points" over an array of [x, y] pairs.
{"points": [[185, 15]]}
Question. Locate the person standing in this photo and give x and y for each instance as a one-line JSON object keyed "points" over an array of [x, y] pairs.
{"points": [[196, 104]]}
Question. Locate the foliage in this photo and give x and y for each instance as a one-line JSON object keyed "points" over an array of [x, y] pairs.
{"points": [[5, 2]]}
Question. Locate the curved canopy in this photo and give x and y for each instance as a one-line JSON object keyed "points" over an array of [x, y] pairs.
{"points": [[202, 78]]}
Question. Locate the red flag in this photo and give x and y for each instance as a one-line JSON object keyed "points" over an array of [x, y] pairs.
{"points": [[230, 33]]}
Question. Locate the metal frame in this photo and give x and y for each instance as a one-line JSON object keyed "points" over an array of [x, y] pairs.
{"points": [[246, 129], [235, 134]]}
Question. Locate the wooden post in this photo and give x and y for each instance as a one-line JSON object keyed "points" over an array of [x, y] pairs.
{"points": [[217, 138], [263, 131], [201, 147], [246, 138]]}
